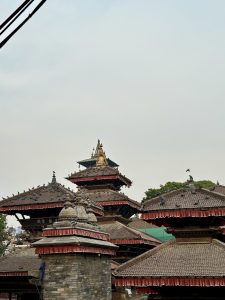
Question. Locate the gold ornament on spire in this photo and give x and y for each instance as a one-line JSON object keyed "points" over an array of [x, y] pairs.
{"points": [[101, 158]]}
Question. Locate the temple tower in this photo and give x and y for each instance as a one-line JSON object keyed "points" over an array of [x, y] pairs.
{"points": [[77, 256], [101, 182]]}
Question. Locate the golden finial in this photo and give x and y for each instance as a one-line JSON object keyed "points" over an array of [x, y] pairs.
{"points": [[101, 158], [99, 145]]}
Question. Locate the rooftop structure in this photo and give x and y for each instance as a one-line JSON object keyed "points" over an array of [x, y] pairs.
{"points": [[193, 265], [101, 182], [19, 273], [185, 204], [130, 242], [91, 162], [40, 206], [100, 173]]}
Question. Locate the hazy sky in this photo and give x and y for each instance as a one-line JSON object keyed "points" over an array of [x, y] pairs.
{"points": [[144, 76]]}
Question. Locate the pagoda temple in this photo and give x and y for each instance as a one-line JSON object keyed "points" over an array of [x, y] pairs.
{"points": [[39, 207], [192, 266], [101, 182]]}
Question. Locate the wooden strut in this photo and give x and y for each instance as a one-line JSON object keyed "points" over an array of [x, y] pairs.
{"points": [[22, 23]]}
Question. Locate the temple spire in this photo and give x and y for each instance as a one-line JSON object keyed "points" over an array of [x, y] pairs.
{"points": [[99, 145], [101, 158]]}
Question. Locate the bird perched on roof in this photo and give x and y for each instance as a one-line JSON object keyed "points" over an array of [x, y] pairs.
{"points": [[191, 178]]}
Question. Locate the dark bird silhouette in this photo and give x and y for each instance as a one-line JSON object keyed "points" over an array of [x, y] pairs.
{"points": [[188, 170], [191, 178]]}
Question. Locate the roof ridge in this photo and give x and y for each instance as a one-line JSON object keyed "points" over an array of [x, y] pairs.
{"points": [[174, 192], [219, 195], [141, 234], [147, 254]]}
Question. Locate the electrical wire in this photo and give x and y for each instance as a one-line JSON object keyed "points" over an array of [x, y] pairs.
{"points": [[16, 17], [23, 22], [14, 13]]}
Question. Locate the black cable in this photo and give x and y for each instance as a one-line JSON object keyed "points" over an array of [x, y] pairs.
{"points": [[16, 17], [14, 13], [22, 23]]}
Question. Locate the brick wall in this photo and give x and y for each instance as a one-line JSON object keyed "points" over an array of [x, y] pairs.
{"points": [[77, 277]]}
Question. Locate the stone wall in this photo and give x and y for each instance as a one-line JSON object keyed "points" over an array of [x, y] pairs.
{"points": [[77, 277]]}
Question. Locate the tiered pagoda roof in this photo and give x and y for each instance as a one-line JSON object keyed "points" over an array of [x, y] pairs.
{"points": [[52, 195], [91, 162], [185, 203], [122, 204], [101, 172], [194, 260], [176, 264], [98, 174], [102, 181]]}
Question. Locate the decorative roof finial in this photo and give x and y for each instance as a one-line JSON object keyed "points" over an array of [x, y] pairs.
{"points": [[97, 149], [93, 151], [101, 158], [53, 177]]}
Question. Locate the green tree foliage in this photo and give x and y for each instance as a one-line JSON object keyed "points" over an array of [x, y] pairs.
{"points": [[4, 235], [172, 186]]}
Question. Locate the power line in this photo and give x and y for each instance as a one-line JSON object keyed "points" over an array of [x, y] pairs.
{"points": [[16, 17], [11, 19]]}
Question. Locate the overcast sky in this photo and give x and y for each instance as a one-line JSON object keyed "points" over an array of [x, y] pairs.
{"points": [[144, 76]]}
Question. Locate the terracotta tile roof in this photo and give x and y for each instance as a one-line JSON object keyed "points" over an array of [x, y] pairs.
{"points": [[97, 171], [21, 260], [218, 189], [108, 195], [119, 231], [53, 192], [178, 260], [185, 199], [137, 223]]}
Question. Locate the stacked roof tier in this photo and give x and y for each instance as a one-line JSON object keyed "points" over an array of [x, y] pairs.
{"points": [[41, 204], [192, 266], [91, 162], [183, 205], [114, 203], [101, 182]]}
